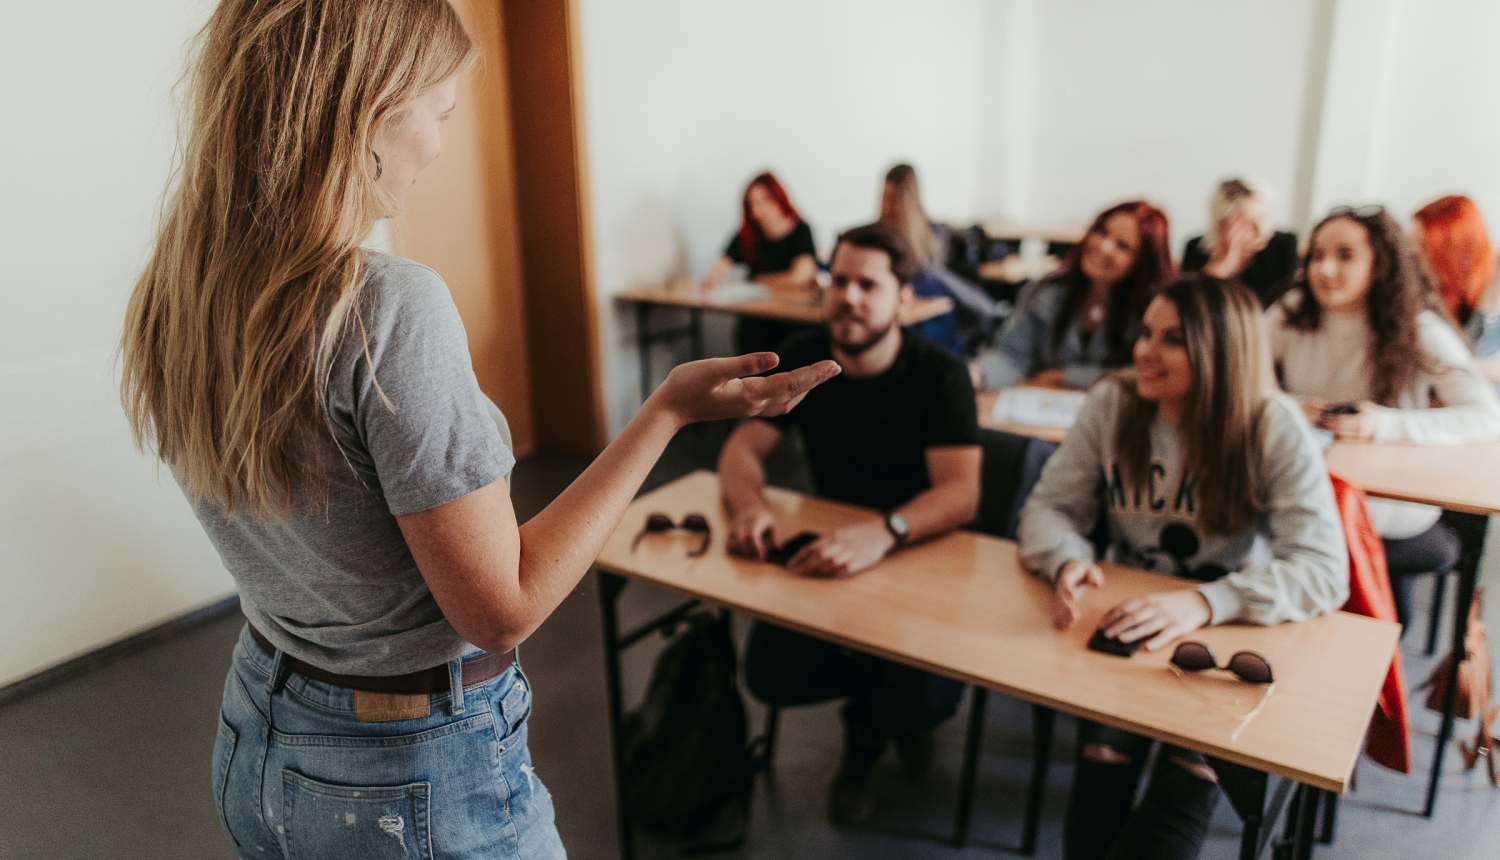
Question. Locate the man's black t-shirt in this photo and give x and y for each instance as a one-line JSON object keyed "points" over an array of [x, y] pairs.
{"points": [[775, 256], [867, 439]]}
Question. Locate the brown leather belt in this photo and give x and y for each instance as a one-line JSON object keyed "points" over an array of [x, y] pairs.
{"points": [[475, 670]]}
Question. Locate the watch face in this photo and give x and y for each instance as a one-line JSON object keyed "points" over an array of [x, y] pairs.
{"points": [[898, 526]]}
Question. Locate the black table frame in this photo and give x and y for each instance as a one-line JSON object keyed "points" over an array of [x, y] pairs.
{"points": [[645, 337], [1472, 529], [1248, 789]]}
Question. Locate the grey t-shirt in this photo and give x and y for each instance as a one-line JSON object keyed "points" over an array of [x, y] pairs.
{"points": [[335, 585]]}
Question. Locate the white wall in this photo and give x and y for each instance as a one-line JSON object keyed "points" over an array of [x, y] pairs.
{"points": [[686, 100], [1153, 98], [93, 543], [1437, 130]]}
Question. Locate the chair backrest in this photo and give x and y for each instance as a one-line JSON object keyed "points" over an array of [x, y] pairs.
{"points": [[1012, 465]]}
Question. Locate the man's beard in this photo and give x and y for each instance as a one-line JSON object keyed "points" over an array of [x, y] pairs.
{"points": [[857, 348]]}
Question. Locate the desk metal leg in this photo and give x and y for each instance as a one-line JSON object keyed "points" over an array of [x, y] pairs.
{"points": [[695, 334], [1247, 791], [972, 744], [1301, 824], [1330, 818], [643, 346], [610, 587], [1042, 722], [1471, 531]]}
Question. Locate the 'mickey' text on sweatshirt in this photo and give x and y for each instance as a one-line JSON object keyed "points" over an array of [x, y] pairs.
{"points": [[1289, 565]]}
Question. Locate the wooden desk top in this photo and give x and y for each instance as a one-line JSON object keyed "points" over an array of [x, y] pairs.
{"points": [[962, 606], [986, 406], [803, 306], [1051, 232], [1455, 477]]}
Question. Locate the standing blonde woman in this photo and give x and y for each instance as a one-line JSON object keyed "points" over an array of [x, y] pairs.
{"points": [[316, 403]]}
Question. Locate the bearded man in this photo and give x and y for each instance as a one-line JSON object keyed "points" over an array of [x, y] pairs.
{"points": [[897, 433]]}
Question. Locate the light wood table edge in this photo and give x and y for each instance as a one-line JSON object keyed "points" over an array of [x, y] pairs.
{"points": [[1304, 777], [924, 309]]}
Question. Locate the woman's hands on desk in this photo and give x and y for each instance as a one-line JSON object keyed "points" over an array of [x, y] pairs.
{"points": [[845, 551], [753, 533], [1073, 582], [1163, 617], [1354, 422]]}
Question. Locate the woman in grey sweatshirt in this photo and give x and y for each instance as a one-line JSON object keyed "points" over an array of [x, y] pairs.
{"points": [[1162, 451]]}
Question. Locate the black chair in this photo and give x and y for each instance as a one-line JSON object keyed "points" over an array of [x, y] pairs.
{"points": [[1012, 465], [1437, 554]]}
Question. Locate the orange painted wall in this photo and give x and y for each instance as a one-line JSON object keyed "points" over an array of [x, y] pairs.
{"points": [[461, 219]]}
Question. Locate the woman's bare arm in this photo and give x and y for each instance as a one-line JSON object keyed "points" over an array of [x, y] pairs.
{"points": [[496, 583]]}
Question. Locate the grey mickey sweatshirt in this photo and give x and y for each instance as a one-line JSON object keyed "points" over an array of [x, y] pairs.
{"points": [[1291, 565]]}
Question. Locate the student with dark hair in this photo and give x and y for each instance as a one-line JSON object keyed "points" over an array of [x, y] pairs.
{"points": [[899, 437], [901, 209], [1242, 242], [1070, 328], [776, 245], [1208, 472], [1362, 340]]}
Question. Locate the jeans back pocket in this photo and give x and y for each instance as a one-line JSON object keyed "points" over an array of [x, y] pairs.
{"points": [[224, 744], [340, 822]]}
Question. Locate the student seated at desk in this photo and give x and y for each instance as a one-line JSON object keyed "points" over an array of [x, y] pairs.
{"points": [[897, 433], [1452, 236], [1071, 327], [901, 209], [1363, 342], [1195, 440], [1243, 243], [776, 245]]}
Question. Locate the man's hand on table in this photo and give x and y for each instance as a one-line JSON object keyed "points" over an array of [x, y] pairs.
{"points": [[845, 551], [753, 533]]}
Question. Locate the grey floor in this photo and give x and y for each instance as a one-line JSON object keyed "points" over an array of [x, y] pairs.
{"points": [[115, 764]]}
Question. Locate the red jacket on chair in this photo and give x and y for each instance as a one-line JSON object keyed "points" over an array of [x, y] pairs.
{"points": [[1389, 739]]}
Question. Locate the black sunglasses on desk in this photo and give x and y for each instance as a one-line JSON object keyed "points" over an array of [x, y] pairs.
{"points": [[661, 523]]}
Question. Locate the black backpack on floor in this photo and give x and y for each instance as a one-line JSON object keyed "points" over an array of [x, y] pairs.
{"points": [[687, 765]]}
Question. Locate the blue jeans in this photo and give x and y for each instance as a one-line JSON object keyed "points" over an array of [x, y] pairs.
{"points": [[295, 776]]}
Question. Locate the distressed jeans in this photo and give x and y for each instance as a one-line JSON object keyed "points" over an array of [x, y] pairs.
{"points": [[295, 776]]}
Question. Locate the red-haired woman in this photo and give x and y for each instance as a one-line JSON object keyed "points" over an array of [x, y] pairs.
{"points": [[1071, 327], [776, 245], [1452, 236]]}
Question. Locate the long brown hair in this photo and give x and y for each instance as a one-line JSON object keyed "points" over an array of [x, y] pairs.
{"points": [[1153, 267], [909, 217], [233, 324], [1400, 289], [1232, 380]]}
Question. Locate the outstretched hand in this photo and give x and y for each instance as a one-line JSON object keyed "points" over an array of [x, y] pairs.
{"points": [[717, 388]]}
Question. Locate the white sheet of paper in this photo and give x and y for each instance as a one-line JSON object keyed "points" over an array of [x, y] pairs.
{"points": [[733, 292], [1038, 407]]}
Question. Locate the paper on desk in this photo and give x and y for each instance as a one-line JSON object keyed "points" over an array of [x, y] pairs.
{"points": [[734, 292], [1037, 407]]}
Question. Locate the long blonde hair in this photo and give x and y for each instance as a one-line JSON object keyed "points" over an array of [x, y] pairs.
{"points": [[906, 214], [1232, 381], [234, 322]]}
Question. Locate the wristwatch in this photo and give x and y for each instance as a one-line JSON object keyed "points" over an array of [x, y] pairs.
{"points": [[898, 526]]}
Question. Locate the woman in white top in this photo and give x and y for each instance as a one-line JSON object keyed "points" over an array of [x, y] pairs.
{"points": [[1361, 342]]}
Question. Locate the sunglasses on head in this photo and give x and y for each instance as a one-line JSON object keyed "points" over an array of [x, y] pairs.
{"points": [[1246, 665], [661, 523]]}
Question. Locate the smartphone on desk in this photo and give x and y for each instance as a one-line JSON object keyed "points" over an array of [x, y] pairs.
{"points": [[1110, 645], [783, 554]]}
